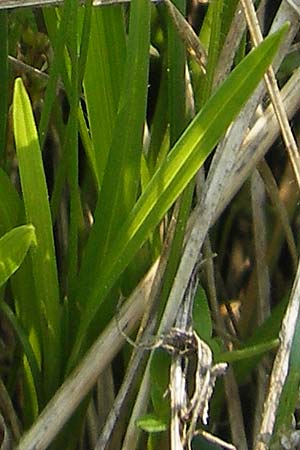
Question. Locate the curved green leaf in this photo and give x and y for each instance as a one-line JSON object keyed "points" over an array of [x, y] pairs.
{"points": [[13, 247]]}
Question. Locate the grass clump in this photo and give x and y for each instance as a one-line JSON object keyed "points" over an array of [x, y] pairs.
{"points": [[128, 172]]}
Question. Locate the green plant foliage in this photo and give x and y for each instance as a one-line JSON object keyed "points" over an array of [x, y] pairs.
{"points": [[103, 79], [151, 424], [13, 247], [173, 175], [92, 162], [263, 339], [160, 366], [120, 187], [254, 352], [201, 315], [25, 321], [38, 213]]}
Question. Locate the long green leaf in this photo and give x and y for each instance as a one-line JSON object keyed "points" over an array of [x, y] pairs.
{"points": [[182, 163], [37, 209]]}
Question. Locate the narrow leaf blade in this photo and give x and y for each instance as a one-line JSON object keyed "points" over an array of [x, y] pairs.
{"points": [[37, 210]]}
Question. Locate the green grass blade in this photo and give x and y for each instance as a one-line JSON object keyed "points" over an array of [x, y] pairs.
{"points": [[88, 145], [122, 174], [178, 119], [13, 248], [158, 128], [176, 78], [248, 352], [266, 333], [103, 79], [37, 209], [71, 143], [214, 49], [176, 171], [85, 38], [229, 10]]}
